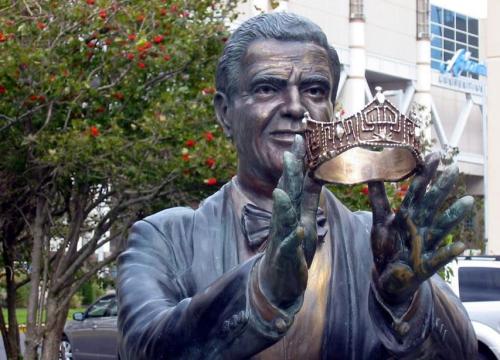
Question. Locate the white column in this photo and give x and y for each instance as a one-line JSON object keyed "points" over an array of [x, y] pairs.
{"points": [[354, 93], [492, 192], [423, 84]]}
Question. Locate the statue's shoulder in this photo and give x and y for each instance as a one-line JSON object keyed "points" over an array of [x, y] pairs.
{"points": [[180, 220]]}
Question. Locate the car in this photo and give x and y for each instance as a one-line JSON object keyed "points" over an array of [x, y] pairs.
{"points": [[92, 334], [476, 281]]}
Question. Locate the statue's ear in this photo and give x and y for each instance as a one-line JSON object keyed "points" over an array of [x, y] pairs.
{"points": [[221, 103]]}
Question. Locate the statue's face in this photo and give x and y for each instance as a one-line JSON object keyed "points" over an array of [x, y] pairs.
{"points": [[278, 82]]}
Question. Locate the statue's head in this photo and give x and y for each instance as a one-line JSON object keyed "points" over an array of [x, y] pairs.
{"points": [[274, 68], [277, 26]]}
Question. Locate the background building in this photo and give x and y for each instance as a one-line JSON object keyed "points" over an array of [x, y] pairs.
{"points": [[401, 46]]}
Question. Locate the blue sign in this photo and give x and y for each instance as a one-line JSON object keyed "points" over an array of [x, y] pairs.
{"points": [[460, 62]]}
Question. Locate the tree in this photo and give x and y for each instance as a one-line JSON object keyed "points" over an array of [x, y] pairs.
{"points": [[105, 114]]}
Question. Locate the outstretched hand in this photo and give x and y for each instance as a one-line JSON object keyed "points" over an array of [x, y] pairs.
{"points": [[406, 245], [283, 270]]}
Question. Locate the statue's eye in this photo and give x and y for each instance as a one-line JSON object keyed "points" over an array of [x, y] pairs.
{"points": [[316, 91], [265, 90]]}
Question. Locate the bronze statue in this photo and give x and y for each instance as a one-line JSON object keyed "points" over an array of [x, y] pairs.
{"points": [[273, 266]]}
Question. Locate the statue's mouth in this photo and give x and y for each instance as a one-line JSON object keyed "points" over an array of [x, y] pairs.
{"points": [[285, 136]]}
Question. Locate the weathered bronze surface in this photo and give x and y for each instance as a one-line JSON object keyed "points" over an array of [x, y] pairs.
{"points": [[192, 285]]}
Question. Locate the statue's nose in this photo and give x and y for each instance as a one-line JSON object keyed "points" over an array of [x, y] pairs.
{"points": [[293, 107]]}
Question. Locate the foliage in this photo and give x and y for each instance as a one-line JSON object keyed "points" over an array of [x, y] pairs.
{"points": [[355, 197], [98, 100]]}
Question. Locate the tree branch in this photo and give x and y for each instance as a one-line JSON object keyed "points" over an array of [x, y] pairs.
{"points": [[117, 80], [17, 119], [163, 76]]}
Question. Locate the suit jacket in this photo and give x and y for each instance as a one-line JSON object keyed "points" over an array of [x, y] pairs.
{"points": [[185, 292]]}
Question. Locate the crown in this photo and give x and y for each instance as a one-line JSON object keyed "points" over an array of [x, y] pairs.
{"points": [[376, 143]]}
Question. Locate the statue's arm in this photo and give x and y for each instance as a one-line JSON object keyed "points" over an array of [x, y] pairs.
{"points": [[435, 325], [157, 320], [407, 252]]}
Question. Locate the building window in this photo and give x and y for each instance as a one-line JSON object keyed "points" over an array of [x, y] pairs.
{"points": [[450, 32]]}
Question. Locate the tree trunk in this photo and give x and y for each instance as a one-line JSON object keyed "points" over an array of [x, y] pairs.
{"points": [[33, 331], [10, 335], [57, 312]]}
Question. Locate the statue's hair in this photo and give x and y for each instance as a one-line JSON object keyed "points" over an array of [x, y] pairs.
{"points": [[278, 26]]}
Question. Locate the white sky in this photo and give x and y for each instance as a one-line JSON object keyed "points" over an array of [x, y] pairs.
{"points": [[474, 8]]}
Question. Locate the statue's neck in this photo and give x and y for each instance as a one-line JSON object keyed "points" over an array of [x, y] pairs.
{"points": [[257, 192]]}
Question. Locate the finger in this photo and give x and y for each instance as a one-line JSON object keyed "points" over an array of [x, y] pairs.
{"points": [[309, 209], [434, 198], [420, 181], [442, 256], [292, 178], [416, 246], [310, 199], [299, 147], [381, 208], [448, 220], [284, 217], [293, 242]]}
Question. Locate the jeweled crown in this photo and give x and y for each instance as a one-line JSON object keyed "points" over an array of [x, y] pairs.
{"points": [[381, 135]]}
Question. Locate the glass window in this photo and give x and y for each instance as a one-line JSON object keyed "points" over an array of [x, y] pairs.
{"points": [[474, 52], [449, 45], [436, 29], [473, 40], [460, 36], [461, 22], [436, 14], [99, 308], [435, 64], [437, 41], [473, 26], [449, 18], [112, 309], [479, 284], [436, 54], [449, 34], [447, 55]]}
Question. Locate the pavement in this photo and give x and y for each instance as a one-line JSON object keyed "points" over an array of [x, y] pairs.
{"points": [[3, 355]]}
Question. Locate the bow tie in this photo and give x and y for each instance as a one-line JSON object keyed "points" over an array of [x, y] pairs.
{"points": [[256, 224]]}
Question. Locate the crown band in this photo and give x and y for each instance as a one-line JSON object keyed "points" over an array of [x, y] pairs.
{"points": [[376, 143]]}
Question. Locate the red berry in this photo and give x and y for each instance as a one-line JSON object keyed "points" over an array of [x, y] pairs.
{"points": [[158, 39], [208, 136], [94, 131], [190, 143], [210, 181], [210, 162]]}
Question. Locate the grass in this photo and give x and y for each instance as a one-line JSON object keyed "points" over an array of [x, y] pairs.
{"points": [[22, 314]]}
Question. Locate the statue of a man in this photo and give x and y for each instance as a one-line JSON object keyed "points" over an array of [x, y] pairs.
{"points": [[273, 266]]}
